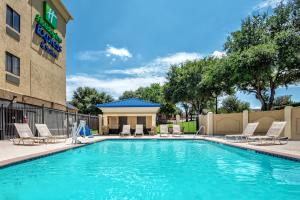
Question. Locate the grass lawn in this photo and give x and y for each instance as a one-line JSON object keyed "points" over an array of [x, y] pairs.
{"points": [[189, 127]]}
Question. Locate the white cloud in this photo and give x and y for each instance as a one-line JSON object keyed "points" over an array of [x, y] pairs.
{"points": [[158, 66], [89, 55], [177, 58], [110, 51], [219, 54], [269, 4], [152, 72], [123, 53], [115, 86]]}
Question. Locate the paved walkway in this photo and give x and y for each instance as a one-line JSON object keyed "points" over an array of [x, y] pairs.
{"points": [[290, 150], [10, 153]]}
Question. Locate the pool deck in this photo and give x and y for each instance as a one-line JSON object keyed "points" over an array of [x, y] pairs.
{"points": [[12, 154]]}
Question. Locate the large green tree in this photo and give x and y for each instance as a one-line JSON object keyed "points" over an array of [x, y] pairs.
{"points": [[265, 53], [86, 98], [153, 93], [232, 104], [195, 83]]}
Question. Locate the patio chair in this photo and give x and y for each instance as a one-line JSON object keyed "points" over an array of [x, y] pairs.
{"points": [[45, 132], [272, 136], [164, 132], [248, 132], [126, 130], [139, 130], [177, 130], [25, 134]]}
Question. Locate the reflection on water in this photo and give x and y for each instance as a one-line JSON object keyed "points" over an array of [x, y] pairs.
{"points": [[287, 176]]}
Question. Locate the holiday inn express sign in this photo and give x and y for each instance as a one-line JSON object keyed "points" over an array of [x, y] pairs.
{"points": [[45, 29], [50, 15]]}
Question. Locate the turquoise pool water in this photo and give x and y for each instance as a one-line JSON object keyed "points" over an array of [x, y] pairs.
{"points": [[153, 169]]}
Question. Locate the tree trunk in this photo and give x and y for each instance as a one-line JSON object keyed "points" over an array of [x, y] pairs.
{"points": [[272, 96], [186, 115], [262, 101]]}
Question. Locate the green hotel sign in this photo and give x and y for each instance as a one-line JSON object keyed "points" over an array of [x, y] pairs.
{"points": [[45, 28], [50, 15]]}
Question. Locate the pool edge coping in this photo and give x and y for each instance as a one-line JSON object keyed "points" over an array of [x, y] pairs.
{"points": [[30, 157]]}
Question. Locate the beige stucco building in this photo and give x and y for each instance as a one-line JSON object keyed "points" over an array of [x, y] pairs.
{"points": [[128, 112], [33, 52]]}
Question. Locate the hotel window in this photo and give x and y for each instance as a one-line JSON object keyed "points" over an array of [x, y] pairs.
{"points": [[12, 64], [12, 19]]}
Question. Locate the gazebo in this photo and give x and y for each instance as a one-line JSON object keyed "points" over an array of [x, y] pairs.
{"points": [[128, 112]]}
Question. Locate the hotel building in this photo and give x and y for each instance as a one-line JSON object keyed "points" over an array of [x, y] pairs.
{"points": [[33, 53]]}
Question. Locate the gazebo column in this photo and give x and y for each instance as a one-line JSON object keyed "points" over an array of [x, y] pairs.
{"points": [[154, 120], [105, 120]]}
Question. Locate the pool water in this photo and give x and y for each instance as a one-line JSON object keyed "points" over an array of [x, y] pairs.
{"points": [[152, 169]]}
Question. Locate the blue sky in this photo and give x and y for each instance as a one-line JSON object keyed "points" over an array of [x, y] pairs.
{"points": [[118, 45]]}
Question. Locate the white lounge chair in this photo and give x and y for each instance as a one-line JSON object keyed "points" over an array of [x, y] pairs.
{"points": [[126, 130], [248, 132], [45, 132], [139, 130], [163, 132], [272, 135], [25, 133], [177, 130]]}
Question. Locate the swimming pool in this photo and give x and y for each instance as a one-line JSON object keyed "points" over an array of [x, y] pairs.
{"points": [[152, 169]]}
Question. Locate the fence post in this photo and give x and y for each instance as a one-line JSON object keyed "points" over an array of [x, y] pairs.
{"points": [[288, 119], [89, 120], [100, 124], [43, 114], [2, 122], [68, 125], [210, 123], [199, 121], [245, 118], [177, 119]]}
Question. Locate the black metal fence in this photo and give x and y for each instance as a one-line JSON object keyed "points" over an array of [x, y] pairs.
{"points": [[59, 122]]}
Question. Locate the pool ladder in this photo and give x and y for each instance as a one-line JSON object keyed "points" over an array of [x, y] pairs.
{"points": [[200, 131]]}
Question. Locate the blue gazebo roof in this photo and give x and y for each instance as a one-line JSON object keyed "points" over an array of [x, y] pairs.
{"points": [[132, 102]]}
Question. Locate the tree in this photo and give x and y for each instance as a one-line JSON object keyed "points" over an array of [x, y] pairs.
{"points": [[285, 100], [186, 108], [195, 83], [128, 94], [86, 98], [232, 104], [153, 93], [264, 54], [183, 84]]}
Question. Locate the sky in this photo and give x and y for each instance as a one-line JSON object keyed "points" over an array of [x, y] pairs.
{"points": [[118, 45]]}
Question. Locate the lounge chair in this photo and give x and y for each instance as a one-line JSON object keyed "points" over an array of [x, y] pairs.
{"points": [[176, 130], [248, 132], [25, 134], [45, 132], [139, 130], [272, 136], [126, 130], [164, 132]]}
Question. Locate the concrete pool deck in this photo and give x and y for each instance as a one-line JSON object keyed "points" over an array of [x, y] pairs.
{"points": [[11, 154]]}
